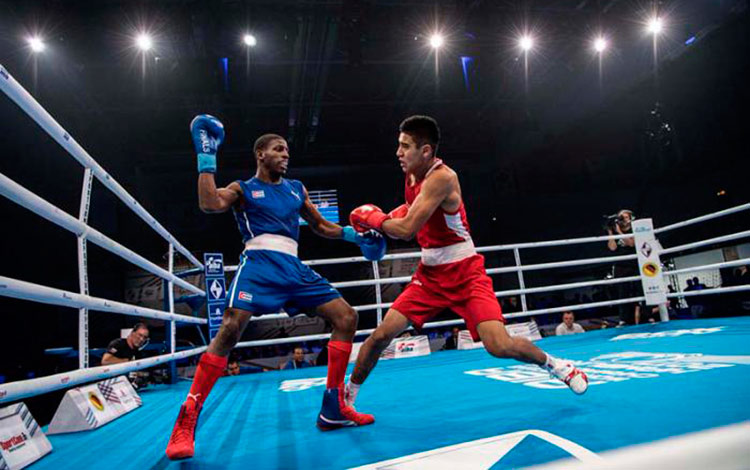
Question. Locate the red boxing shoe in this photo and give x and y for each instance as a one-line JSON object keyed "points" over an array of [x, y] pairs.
{"points": [[182, 443], [335, 414]]}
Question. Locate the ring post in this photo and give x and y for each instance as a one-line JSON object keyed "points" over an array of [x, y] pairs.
{"points": [[172, 326], [378, 291], [521, 284], [83, 275]]}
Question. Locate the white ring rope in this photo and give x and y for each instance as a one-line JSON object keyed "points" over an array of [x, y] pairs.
{"points": [[27, 199], [30, 106], [49, 295], [711, 241], [703, 218], [28, 388]]}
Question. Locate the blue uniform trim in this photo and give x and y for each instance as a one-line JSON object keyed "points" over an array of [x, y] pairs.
{"points": [[237, 276]]}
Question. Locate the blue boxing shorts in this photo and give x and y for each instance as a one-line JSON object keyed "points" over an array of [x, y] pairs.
{"points": [[267, 281]]}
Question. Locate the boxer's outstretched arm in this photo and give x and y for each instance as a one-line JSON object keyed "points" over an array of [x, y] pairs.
{"points": [[317, 223], [435, 190], [214, 200]]}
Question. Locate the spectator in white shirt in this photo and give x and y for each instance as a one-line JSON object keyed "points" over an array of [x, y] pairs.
{"points": [[568, 327]]}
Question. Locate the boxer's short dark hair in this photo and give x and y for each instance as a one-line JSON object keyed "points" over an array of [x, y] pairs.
{"points": [[262, 142], [423, 129]]}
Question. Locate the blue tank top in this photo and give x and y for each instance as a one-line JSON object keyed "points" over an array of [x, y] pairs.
{"points": [[269, 208]]}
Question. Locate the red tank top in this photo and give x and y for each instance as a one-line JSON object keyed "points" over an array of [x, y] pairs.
{"points": [[442, 228]]}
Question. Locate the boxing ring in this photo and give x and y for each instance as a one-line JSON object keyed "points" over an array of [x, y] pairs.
{"points": [[452, 409]]}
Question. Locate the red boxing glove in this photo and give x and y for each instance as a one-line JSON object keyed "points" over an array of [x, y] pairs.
{"points": [[399, 212], [368, 217]]}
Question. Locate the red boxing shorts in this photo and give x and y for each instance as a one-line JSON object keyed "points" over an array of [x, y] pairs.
{"points": [[463, 286]]}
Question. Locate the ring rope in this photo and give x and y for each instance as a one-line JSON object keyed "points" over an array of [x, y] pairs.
{"points": [[27, 199], [49, 295], [30, 106]]}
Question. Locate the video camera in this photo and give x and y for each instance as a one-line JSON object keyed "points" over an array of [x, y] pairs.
{"points": [[610, 221]]}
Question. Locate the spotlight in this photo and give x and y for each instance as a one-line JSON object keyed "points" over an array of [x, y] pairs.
{"points": [[436, 41], [655, 25], [249, 40], [600, 44], [36, 44], [144, 42], [526, 43]]}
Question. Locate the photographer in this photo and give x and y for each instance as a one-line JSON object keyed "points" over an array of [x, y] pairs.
{"points": [[620, 224]]}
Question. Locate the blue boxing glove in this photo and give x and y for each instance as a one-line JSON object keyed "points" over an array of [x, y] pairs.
{"points": [[371, 243], [208, 134]]}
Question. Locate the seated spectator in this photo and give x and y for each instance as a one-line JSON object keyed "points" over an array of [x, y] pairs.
{"points": [[451, 342], [126, 349], [233, 367], [129, 349], [568, 327], [298, 360]]}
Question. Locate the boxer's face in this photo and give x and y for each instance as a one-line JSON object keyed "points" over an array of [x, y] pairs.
{"points": [[275, 157], [568, 320], [411, 156]]}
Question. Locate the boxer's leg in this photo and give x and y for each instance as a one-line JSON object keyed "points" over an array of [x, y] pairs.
{"points": [[334, 413], [210, 367]]}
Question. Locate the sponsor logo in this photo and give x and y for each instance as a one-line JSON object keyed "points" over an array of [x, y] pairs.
{"points": [[650, 269], [406, 347], [95, 401], [216, 289], [205, 143], [214, 264], [245, 296], [14, 443], [66, 136], [483, 453], [4, 74], [295, 195], [64, 380], [616, 367], [301, 384], [669, 334], [642, 229], [646, 249], [258, 194], [3, 393]]}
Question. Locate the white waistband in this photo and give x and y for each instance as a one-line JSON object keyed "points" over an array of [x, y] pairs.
{"points": [[268, 241], [448, 254]]}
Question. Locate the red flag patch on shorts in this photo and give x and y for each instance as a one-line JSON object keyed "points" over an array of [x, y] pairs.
{"points": [[245, 296]]}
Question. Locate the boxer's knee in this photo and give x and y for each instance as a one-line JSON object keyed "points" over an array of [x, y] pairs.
{"points": [[346, 320], [501, 347], [232, 325]]}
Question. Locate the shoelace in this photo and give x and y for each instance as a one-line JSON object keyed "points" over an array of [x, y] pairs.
{"points": [[185, 425], [568, 373]]}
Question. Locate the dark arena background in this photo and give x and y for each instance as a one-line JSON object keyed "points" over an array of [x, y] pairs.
{"points": [[555, 115]]}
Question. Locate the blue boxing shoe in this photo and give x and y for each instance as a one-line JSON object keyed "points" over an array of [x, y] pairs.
{"points": [[335, 414]]}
